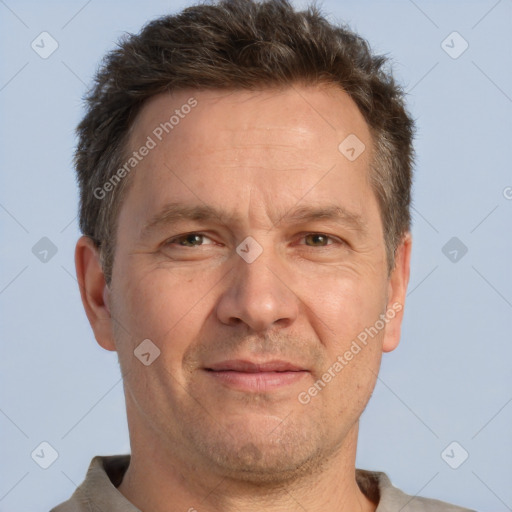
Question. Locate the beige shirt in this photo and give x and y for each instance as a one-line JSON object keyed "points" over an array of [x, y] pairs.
{"points": [[98, 492]]}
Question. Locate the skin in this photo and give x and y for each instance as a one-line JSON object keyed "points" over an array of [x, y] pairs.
{"points": [[256, 157]]}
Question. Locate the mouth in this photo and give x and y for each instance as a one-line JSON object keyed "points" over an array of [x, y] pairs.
{"points": [[256, 377]]}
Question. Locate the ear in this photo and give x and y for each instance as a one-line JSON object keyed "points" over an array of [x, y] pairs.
{"points": [[397, 289], [94, 291]]}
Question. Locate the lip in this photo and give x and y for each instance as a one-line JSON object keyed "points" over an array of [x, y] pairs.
{"points": [[242, 365], [250, 376]]}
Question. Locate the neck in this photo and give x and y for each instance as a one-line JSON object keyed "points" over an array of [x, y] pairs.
{"points": [[161, 480]]}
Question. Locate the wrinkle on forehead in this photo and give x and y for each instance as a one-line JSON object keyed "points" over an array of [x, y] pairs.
{"points": [[303, 110], [258, 154]]}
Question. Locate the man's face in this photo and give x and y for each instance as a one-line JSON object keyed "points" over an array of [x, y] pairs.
{"points": [[244, 335]]}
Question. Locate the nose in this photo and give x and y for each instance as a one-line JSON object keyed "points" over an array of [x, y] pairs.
{"points": [[258, 295]]}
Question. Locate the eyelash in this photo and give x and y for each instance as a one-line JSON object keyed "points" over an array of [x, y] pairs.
{"points": [[333, 239], [182, 237]]}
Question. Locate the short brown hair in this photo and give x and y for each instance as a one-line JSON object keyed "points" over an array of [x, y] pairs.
{"points": [[239, 44]]}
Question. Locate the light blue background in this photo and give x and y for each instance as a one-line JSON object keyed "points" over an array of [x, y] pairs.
{"points": [[449, 380]]}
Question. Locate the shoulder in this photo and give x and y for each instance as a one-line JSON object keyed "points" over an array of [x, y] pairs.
{"points": [[99, 489], [378, 487]]}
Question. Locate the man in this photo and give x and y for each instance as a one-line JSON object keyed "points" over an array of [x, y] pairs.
{"points": [[245, 175]]}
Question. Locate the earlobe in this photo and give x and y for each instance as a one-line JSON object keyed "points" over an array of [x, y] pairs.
{"points": [[94, 291], [398, 282]]}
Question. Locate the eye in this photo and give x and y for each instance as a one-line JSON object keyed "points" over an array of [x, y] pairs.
{"points": [[190, 240], [318, 240]]}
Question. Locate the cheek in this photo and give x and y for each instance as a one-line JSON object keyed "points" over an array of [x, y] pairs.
{"points": [[349, 308], [166, 307], [343, 306], [344, 314]]}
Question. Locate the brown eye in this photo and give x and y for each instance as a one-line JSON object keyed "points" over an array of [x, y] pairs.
{"points": [[192, 240], [316, 240], [189, 240]]}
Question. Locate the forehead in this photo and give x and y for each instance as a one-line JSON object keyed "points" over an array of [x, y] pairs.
{"points": [[231, 149], [304, 111]]}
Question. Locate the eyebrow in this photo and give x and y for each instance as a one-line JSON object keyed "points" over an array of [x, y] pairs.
{"points": [[327, 212], [174, 212]]}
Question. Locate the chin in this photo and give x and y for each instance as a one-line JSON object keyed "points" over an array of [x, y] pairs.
{"points": [[259, 465], [255, 455]]}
